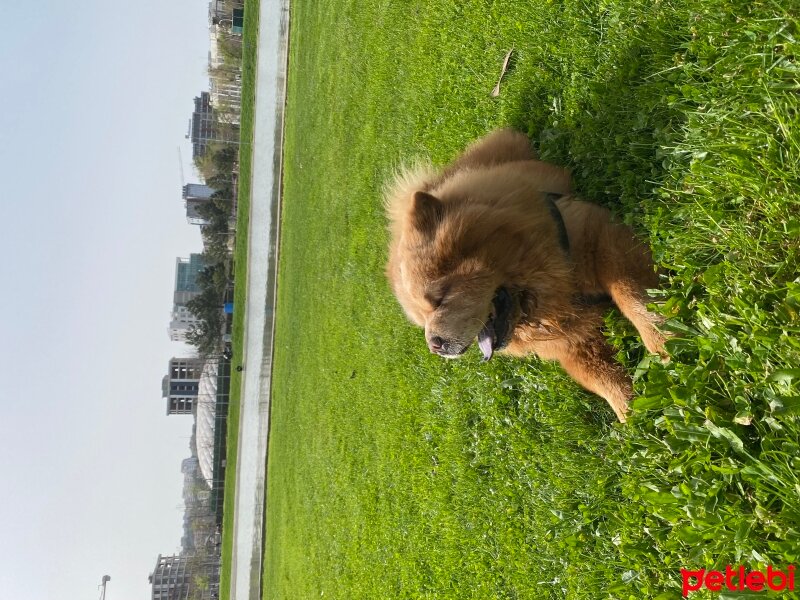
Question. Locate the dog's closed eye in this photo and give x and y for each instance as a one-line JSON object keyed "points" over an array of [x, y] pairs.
{"points": [[437, 297], [434, 301]]}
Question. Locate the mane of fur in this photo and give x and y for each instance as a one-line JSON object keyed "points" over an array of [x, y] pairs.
{"points": [[399, 192]]}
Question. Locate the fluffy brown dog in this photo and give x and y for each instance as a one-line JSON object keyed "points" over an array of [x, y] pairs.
{"points": [[494, 247]]}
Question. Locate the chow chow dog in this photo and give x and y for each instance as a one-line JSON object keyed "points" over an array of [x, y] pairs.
{"points": [[495, 247]]}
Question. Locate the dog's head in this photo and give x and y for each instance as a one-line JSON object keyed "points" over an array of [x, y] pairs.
{"points": [[446, 282]]}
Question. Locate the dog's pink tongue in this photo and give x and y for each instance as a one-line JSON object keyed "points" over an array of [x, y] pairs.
{"points": [[486, 341]]}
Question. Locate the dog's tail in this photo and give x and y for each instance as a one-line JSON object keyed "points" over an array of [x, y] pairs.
{"points": [[399, 191]]}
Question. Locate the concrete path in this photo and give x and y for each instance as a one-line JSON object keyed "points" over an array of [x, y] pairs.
{"points": [[248, 521]]}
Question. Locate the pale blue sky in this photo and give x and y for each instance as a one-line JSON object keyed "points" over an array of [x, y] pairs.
{"points": [[96, 97]]}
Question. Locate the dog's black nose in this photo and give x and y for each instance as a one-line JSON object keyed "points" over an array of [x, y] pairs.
{"points": [[436, 344]]}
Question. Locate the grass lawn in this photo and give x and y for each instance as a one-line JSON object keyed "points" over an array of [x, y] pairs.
{"points": [[395, 474], [249, 56]]}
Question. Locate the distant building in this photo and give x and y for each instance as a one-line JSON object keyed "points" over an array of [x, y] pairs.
{"points": [[206, 419], [217, 12], [171, 579], [215, 120], [225, 81], [201, 127], [237, 22], [181, 385], [181, 320], [194, 196], [186, 288], [232, 19], [186, 272], [190, 468]]}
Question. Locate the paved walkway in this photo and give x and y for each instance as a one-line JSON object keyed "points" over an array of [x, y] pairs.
{"points": [[248, 520]]}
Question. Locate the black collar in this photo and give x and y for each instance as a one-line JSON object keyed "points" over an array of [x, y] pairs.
{"points": [[563, 239]]}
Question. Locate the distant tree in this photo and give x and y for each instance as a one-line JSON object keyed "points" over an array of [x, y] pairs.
{"points": [[224, 158], [226, 73], [216, 249], [230, 48], [222, 183], [206, 334], [220, 158], [216, 214], [204, 337], [205, 168], [214, 277]]}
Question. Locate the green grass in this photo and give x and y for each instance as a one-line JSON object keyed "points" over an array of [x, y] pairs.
{"points": [[249, 56], [394, 474]]}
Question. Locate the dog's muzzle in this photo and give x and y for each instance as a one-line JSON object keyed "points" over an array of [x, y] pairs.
{"points": [[446, 349], [496, 332]]}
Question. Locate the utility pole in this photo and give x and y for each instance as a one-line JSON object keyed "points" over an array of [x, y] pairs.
{"points": [[105, 580]]}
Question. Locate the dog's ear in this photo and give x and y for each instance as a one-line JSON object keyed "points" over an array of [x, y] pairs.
{"points": [[426, 212]]}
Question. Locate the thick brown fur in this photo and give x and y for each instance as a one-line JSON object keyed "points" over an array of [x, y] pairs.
{"points": [[484, 223]]}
